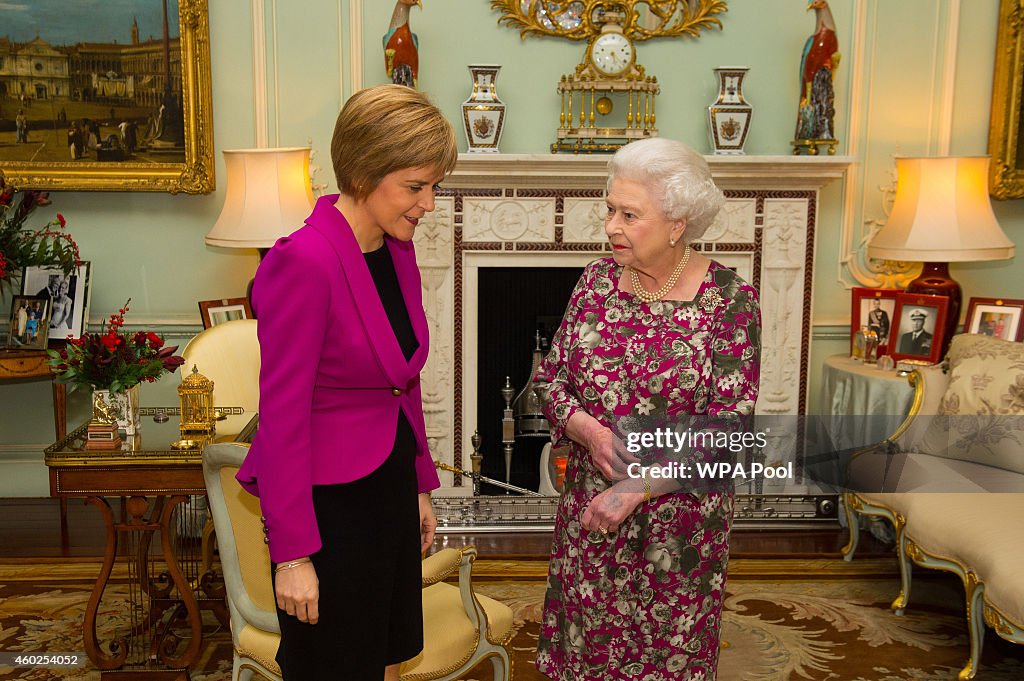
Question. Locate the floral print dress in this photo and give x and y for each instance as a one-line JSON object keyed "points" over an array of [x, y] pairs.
{"points": [[644, 602]]}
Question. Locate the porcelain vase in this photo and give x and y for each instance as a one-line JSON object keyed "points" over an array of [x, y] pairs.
{"points": [[124, 406], [483, 114], [729, 115]]}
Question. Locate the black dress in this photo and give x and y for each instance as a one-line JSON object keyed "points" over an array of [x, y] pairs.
{"points": [[371, 609]]}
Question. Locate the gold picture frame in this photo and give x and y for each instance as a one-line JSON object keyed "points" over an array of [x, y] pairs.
{"points": [[1006, 130], [195, 175]]}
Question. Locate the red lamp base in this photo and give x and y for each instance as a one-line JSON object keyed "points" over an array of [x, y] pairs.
{"points": [[935, 280]]}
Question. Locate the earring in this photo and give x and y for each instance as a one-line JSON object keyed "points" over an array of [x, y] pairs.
{"points": [[672, 243]]}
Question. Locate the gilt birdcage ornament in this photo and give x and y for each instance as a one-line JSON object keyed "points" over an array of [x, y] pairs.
{"points": [[195, 396]]}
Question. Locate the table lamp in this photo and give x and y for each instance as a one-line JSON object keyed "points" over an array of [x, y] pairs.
{"points": [[942, 214], [268, 196]]}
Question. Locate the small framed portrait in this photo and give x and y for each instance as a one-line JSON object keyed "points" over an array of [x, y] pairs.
{"points": [[29, 323], [873, 308], [68, 295], [918, 326], [996, 317], [216, 312]]}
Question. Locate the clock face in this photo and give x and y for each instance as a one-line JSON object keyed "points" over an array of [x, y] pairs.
{"points": [[611, 53]]}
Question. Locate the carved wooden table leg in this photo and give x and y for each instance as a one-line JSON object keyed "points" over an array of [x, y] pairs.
{"points": [[155, 591], [118, 647]]}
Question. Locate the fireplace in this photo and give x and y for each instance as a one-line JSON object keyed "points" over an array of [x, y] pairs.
{"points": [[501, 215]]}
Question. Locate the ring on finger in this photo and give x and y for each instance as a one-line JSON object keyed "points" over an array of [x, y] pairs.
{"points": [[604, 531]]}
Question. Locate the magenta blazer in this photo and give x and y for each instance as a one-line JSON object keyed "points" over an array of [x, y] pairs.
{"points": [[332, 376]]}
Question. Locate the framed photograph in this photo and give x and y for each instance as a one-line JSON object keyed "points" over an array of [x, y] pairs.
{"points": [[29, 323], [1006, 127], [873, 308], [68, 295], [216, 312], [107, 96], [997, 317], [918, 326]]}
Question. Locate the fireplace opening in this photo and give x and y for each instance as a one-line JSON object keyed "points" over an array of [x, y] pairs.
{"points": [[513, 304]]}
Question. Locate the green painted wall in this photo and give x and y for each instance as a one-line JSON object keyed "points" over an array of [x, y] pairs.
{"points": [[902, 85]]}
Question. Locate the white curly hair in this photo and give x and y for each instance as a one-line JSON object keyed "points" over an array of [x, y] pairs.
{"points": [[676, 173]]}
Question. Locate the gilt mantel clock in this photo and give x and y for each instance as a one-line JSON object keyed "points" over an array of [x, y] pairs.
{"points": [[609, 100]]}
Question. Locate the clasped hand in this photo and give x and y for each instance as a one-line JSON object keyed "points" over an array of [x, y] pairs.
{"points": [[609, 453]]}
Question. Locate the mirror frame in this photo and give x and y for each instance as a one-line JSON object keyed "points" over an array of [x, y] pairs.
{"points": [[1006, 129]]}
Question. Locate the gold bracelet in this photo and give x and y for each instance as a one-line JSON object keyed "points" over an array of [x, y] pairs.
{"points": [[292, 564], [647, 489]]}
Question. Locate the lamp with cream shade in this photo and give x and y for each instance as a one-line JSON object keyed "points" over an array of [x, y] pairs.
{"points": [[942, 214], [268, 196]]}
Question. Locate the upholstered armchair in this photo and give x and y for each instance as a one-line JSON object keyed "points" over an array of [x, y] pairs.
{"points": [[461, 629]]}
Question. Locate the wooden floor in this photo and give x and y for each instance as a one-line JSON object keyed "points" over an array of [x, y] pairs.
{"points": [[31, 528]]}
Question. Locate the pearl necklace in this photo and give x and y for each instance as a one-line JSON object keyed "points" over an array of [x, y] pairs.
{"points": [[650, 297]]}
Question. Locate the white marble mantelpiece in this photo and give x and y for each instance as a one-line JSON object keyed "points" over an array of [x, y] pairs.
{"points": [[512, 210], [566, 170]]}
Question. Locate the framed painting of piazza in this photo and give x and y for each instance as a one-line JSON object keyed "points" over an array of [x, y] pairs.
{"points": [[109, 96]]}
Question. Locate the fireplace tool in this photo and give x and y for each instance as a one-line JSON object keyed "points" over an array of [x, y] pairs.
{"points": [[477, 458]]}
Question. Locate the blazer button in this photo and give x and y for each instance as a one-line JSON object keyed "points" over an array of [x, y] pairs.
{"points": [[396, 392]]}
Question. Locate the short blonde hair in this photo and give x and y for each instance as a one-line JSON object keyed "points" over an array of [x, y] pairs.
{"points": [[676, 173], [387, 128]]}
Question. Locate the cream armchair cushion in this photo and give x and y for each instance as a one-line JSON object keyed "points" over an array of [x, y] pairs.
{"points": [[981, 415], [229, 355]]}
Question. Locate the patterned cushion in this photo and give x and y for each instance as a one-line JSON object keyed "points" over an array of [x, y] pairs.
{"points": [[981, 415]]}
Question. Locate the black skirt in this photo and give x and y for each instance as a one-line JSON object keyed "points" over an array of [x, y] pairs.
{"points": [[371, 608]]}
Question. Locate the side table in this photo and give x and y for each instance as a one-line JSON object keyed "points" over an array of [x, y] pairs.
{"points": [[31, 365], [867, 404], [160, 540]]}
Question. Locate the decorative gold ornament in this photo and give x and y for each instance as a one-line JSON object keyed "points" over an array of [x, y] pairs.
{"points": [[195, 396], [609, 68]]}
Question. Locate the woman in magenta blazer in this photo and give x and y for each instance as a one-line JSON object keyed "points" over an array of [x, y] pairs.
{"points": [[340, 462]]}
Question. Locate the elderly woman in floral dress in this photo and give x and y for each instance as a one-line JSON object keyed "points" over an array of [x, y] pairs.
{"points": [[638, 565]]}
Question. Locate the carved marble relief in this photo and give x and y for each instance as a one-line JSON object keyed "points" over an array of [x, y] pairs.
{"points": [[783, 291], [435, 256], [734, 223], [508, 219], [583, 221]]}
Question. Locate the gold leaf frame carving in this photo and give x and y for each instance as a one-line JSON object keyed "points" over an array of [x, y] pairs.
{"points": [[1006, 130], [194, 176]]}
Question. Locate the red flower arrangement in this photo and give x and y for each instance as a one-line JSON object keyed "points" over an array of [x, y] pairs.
{"points": [[48, 246], [113, 359]]}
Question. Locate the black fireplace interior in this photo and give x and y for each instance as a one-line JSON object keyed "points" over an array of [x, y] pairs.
{"points": [[513, 303]]}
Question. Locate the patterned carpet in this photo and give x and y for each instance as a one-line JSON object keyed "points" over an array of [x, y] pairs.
{"points": [[821, 621]]}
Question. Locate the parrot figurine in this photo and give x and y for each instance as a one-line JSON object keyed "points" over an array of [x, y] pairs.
{"points": [[401, 46], [817, 71]]}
